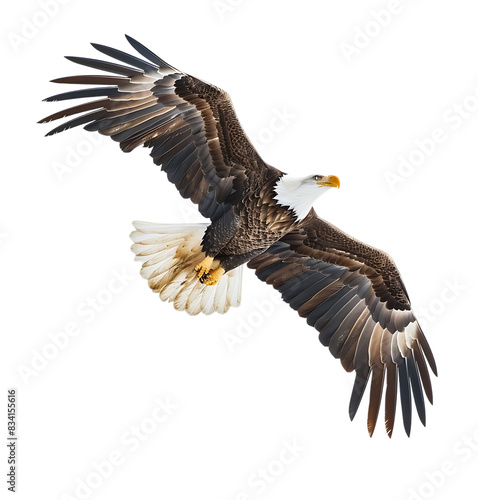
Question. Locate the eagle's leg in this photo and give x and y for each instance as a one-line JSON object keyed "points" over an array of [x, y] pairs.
{"points": [[204, 267], [217, 235]]}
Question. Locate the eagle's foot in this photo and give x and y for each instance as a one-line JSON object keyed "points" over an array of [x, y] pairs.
{"points": [[212, 277], [204, 267]]}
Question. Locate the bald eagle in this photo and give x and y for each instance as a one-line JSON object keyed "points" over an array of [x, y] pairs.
{"points": [[350, 292]]}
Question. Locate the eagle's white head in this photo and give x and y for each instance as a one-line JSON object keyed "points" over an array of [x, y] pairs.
{"points": [[299, 194]]}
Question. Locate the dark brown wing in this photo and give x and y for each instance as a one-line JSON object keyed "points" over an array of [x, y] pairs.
{"points": [[190, 125], [353, 295]]}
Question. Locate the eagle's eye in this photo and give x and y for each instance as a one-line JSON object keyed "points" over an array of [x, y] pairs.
{"points": [[317, 177]]}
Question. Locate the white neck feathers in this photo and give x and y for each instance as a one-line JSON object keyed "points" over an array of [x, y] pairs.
{"points": [[297, 195]]}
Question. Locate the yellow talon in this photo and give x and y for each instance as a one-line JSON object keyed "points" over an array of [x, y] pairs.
{"points": [[212, 277], [204, 266]]}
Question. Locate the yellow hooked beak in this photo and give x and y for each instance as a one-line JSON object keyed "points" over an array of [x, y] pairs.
{"points": [[329, 180]]}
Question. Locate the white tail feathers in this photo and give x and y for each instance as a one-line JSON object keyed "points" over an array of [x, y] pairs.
{"points": [[169, 253]]}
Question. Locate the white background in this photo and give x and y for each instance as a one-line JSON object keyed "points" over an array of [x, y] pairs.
{"points": [[64, 235]]}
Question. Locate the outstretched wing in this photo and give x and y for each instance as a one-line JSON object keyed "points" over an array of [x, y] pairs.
{"points": [[190, 125], [353, 295]]}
